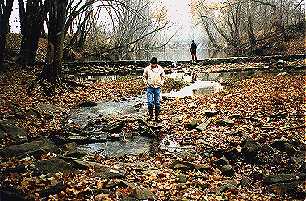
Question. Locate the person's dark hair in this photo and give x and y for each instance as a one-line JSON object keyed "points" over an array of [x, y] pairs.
{"points": [[153, 60]]}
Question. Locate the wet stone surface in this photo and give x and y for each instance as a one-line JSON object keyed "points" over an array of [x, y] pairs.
{"points": [[133, 146], [103, 127]]}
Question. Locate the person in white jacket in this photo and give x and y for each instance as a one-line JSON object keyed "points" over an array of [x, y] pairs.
{"points": [[154, 77]]}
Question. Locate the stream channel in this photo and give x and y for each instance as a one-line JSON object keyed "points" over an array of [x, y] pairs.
{"points": [[116, 129]]}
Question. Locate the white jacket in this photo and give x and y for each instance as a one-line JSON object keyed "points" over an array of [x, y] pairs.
{"points": [[154, 77]]}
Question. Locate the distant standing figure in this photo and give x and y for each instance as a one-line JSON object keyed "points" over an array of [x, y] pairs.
{"points": [[154, 77], [193, 51]]}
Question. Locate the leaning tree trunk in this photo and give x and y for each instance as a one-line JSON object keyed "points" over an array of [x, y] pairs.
{"points": [[57, 17], [2, 39], [31, 25], [5, 13], [251, 35]]}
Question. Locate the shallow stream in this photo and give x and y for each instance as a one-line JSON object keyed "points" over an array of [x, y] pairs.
{"points": [[136, 108]]}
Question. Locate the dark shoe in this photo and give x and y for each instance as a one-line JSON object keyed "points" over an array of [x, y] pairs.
{"points": [[150, 118], [156, 116], [157, 120]]}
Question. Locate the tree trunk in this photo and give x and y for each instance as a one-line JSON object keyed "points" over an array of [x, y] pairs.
{"points": [[251, 35], [22, 16], [2, 40], [57, 16], [5, 13], [31, 25]]}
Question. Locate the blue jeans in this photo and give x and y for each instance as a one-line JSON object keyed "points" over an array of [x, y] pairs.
{"points": [[153, 97]]}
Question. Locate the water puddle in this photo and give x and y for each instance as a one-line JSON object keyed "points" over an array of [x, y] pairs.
{"points": [[197, 88], [132, 146], [117, 142], [134, 107]]}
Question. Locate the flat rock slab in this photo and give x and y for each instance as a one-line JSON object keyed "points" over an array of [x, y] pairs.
{"points": [[52, 166], [284, 178], [43, 145], [9, 129], [48, 108], [101, 171], [11, 194]]}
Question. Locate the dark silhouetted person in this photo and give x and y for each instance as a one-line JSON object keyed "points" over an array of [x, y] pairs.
{"points": [[193, 51]]}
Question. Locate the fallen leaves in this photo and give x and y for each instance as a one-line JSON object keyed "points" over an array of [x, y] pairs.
{"points": [[262, 108]]}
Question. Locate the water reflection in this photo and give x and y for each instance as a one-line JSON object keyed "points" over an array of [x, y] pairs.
{"points": [[197, 88], [228, 76]]}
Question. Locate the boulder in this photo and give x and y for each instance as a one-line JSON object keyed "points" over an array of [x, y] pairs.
{"points": [[105, 172], [115, 127], [180, 165], [204, 125], [69, 147], [101, 171], [75, 154], [287, 184], [193, 124], [117, 184], [88, 104], [211, 113], [225, 122], [249, 149], [29, 148], [245, 181], [46, 109], [227, 170], [227, 186], [181, 178], [232, 153], [142, 193], [13, 132], [51, 190], [221, 162], [11, 194], [52, 166], [283, 146], [291, 188], [284, 178], [203, 167]]}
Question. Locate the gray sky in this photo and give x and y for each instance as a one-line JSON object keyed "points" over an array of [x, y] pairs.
{"points": [[14, 20]]}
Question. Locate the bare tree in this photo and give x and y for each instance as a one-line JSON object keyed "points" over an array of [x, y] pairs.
{"points": [[81, 26], [131, 25], [247, 24], [32, 20], [131, 20], [5, 13]]}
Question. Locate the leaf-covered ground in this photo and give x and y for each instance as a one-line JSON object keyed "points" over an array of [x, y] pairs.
{"points": [[252, 148]]}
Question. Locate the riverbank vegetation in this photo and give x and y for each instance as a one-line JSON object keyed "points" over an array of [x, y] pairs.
{"points": [[253, 27]]}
